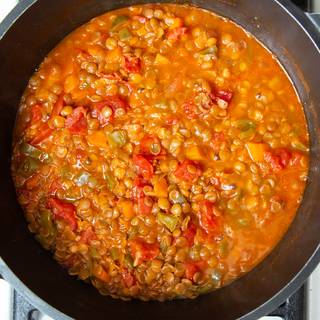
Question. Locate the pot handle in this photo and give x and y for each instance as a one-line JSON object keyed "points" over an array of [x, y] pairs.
{"points": [[315, 19]]}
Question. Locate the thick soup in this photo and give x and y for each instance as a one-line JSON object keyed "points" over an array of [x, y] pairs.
{"points": [[160, 151]]}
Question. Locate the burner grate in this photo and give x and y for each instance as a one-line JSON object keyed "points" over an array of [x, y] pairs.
{"points": [[22, 309], [293, 308], [305, 5]]}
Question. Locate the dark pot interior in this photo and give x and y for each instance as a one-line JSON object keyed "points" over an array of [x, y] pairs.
{"points": [[27, 42]]}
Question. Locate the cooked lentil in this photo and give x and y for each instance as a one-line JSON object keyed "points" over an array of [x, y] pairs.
{"points": [[160, 151]]}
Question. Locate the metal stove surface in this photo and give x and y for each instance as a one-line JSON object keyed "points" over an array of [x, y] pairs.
{"points": [[306, 5], [303, 305]]}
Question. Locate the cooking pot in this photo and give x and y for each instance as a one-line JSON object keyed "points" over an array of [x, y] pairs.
{"points": [[31, 30]]}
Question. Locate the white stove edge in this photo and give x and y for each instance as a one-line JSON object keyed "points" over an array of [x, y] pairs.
{"points": [[6, 300], [5, 7], [313, 296]]}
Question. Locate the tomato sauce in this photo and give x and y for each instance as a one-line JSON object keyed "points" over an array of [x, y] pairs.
{"points": [[160, 151]]}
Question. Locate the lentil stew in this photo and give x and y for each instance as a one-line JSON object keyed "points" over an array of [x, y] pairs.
{"points": [[160, 152]]}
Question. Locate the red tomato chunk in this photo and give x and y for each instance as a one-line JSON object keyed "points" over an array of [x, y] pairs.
{"points": [[63, 211], [77, 122], [143, 251], [188, 170]]}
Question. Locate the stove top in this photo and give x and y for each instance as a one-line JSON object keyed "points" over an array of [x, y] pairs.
{"points": [[303, 305], [306, 5]]}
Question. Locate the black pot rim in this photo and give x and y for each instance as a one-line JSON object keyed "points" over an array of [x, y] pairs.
{"points": [[305, 23]]}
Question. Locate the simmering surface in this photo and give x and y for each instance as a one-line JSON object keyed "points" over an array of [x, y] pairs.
{"points": [[160, 151]]}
